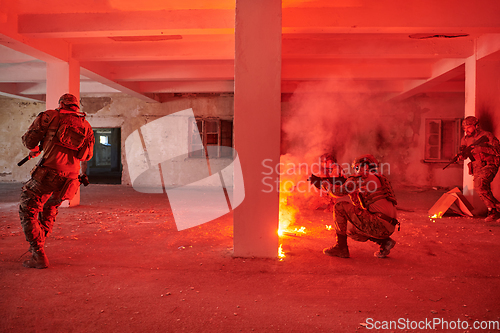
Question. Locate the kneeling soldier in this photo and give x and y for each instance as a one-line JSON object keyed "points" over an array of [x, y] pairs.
{"points": [[371, 214]]}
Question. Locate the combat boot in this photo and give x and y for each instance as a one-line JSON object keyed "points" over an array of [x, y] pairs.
{"points": [[493, 215], [340, 249], [38, 259], [385, 247]]}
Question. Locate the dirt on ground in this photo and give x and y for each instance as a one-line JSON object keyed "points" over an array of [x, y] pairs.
{"points": [[118, 264]]}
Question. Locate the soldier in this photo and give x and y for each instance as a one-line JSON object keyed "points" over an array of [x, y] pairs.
{"points": [[485, 166], [371, 214], [65, 138], [329, 166], [330, 169]]}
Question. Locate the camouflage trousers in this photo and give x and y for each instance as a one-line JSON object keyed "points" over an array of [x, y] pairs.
{"points": [[360, 224], [482, 184], [38, 207]]}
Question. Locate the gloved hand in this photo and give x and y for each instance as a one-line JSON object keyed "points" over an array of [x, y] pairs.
{"points": [[34, 152]]}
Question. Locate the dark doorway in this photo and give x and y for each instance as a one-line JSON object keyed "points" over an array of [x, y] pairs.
{"points": [[105, 167]]}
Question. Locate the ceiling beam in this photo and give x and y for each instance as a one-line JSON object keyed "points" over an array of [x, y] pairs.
{"points": [[444, 70], [130, 88], [128, 23], [151, 51], [219, 86], [374, 46], [318, 48], [173, 70], [355, 69], [341, 86], [14, 90], [393, 16], [488, 45]]}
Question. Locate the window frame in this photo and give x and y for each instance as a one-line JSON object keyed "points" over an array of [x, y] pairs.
{"points": [[223, 133], [448, 142]]}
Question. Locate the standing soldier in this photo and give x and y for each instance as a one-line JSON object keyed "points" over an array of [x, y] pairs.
{"points": [[371, 214], [65, 138], [484, 165]]}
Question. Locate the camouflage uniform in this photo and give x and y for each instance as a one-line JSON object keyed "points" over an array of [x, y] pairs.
{"points": [[485, 166], [44, 192], [360, 224], [371, 214], [358, 221]]}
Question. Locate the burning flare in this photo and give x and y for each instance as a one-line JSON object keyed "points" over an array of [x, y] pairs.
{"points": [[281, 253], [437, 215]]}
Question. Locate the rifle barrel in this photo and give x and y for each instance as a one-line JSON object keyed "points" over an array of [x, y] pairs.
{"points": [[24, 160]]}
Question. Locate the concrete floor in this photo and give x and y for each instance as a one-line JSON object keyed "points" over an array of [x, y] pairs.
{"points": [[118, 264]]}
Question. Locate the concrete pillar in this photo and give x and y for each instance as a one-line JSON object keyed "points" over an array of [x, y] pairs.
{"points": [[257, 125], [63, 77], [470, 110], [471, 91]]}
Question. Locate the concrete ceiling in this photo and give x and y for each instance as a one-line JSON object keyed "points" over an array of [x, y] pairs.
{"points": [[151, 48]]}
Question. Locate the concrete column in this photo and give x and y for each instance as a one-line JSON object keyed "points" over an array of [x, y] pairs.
{"points": [[62, 78], [470, 110], [257, 125]]}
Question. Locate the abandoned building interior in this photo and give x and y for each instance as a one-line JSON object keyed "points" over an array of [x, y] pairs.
{"points": [[278, 81]]}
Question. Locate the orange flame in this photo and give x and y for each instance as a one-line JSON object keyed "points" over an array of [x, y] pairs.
{"points": [[287, 213], [281, 253], [437, 215]]}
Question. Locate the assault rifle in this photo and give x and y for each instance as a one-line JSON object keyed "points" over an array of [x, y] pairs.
{"points": [[467, 151], [319, 181]]}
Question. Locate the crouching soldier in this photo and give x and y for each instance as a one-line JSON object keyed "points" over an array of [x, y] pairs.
{"points": [[66, 138], [371, 214]]}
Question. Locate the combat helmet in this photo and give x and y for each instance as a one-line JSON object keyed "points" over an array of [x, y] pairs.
{"points": [[68, 100], [363, 160], [470, 121], [328, 157]]}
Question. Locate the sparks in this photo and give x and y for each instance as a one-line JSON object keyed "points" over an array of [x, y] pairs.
{"points": [[301, 230]]}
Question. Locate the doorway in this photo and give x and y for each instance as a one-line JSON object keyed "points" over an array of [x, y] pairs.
{"points": [[105, 167]]}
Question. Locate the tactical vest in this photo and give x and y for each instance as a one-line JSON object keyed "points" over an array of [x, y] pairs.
{"points": [[385, 191], [68, 130], [71, 132]]}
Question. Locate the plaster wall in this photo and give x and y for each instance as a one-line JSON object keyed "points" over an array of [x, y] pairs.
{"points": [[395, 133], [410, 165], [15, 117]]}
